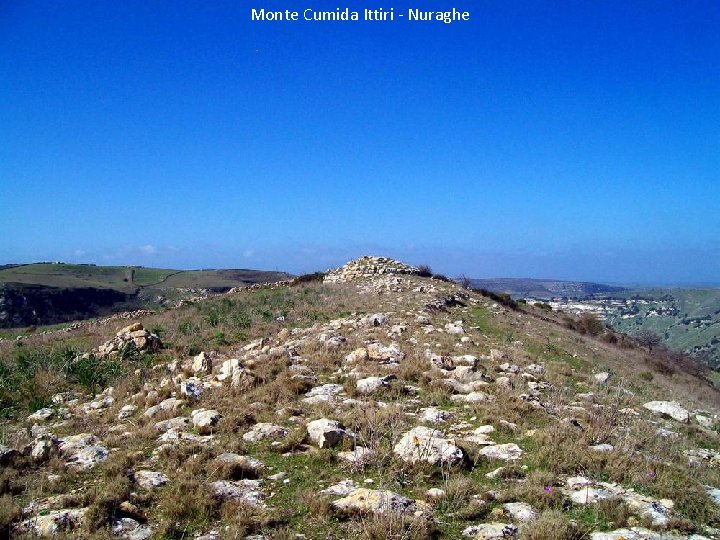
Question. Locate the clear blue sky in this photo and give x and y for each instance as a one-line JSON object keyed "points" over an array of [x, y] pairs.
{"points": [[576, 140]]}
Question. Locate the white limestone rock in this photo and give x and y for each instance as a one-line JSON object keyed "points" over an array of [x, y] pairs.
{"points": [[205, 420], [669, 408], [520, 511], [264, 431], [504, 452], [370, 385], [150, 479], [425, 444], [491, 531], [326, 433]]}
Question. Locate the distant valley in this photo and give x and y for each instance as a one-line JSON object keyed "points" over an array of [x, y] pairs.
{"points": [[685, 319]]}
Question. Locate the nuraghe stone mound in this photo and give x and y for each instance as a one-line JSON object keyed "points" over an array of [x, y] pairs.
{"points": [[367, 267]]}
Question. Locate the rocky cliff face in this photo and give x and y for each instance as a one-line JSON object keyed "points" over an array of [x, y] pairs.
{"points": [[26, 305]]}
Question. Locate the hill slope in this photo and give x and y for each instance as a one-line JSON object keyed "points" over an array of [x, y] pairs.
{"points": [[47, 293], [684, 319], [542, 288], [375, 406]]}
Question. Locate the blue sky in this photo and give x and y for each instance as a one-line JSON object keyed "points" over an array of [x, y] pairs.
{"points": [[575, 140]]}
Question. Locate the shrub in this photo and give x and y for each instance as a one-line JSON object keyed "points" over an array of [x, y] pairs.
{"points": [[590, 324], [308, 278], [424, 270]]}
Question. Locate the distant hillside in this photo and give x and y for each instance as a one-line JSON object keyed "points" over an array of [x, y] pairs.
{"points": [[542, 288], [47, 293], [685, 319]]}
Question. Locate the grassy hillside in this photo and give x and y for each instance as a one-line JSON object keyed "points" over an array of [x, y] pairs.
{"points": [[685, 319], [47, 293], [542, 288], [130, 278], [541, 430]]}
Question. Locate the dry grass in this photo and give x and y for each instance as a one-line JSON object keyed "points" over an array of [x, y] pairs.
{"points": [[185, 507], [552, 525]]}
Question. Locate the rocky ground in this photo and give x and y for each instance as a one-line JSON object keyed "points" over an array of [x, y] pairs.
{"points": [[379, 404]]}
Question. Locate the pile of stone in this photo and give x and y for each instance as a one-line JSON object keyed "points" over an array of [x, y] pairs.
{"points": [[367, 267], [133, 336]]}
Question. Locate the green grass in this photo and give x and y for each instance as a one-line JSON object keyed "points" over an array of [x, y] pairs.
{"points": [[480, 317], [127, 278]]}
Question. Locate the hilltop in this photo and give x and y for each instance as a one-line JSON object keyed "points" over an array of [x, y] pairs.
{"points": [[48, 293], [373, 401]]}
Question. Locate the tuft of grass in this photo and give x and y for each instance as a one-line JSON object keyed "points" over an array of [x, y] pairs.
{"points": [[552, 525]]}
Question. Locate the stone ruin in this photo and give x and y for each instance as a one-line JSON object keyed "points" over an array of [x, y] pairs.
{"points": [[134, 336], [367, 267]]}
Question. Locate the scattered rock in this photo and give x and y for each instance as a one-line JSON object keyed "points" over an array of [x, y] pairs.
{"points": [[127, 411], [357, 456], [41, 415], [54, 523], [244, 490], [170, 404], [601, 378], [520, 511], [192, 388]]}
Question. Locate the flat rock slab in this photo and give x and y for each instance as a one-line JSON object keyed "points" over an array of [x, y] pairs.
{"points": [[491, 531], [150, 479], [53, 523], [504, 452], [669, 408], [246, 490], [378, 501], [425, 444], [263, 431]]}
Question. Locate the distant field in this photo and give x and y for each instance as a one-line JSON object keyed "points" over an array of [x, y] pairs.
{"points": [[130, 278], [47, 293]]}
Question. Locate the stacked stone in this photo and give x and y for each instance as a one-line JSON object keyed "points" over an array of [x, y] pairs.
{"points": [[134, 334], [367, 267]]}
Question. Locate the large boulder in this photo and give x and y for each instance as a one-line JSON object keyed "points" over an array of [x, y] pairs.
{"points": [[425, 444], [326, 433]]}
